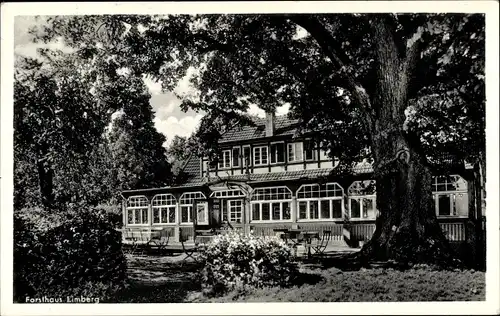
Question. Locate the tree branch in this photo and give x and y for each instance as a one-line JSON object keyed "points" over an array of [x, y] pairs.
{"points": [[340, 61]]}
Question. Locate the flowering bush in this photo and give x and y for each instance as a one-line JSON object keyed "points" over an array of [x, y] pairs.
{"points": [[234, 260]]}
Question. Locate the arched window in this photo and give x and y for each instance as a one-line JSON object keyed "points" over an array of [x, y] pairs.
{"points": [[189, 200], [450, 195], [137, 210], [164, 206], [362, 200], [320, 202], [271, 204]]}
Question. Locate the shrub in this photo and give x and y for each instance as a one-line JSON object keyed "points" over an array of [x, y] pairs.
{"points": [[235, 260], [82, 256]]}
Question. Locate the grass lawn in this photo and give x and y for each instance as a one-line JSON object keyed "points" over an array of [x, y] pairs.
{"points": [[164, 280]]}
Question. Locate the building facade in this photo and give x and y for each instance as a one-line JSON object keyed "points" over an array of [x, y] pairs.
{"points": [[269, 177]]}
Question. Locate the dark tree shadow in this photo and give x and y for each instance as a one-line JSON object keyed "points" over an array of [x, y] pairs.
{"points": [[154, 279]]}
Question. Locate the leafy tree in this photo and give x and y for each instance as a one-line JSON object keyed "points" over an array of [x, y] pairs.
{"points": [[139, 158], [56, 120], [400, 89]]}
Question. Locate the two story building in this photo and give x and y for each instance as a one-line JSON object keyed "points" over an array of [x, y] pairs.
{"points": [[269, 177]]}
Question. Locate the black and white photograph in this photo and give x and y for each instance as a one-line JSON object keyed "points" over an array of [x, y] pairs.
{"points": [[251, 152]]}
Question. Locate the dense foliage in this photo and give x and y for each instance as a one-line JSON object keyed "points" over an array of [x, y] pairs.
{"points": [[234, 261], [404, 90], [79, 256]]}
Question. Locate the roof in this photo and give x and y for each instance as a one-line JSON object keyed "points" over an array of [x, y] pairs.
{"points": [[282, 126]]}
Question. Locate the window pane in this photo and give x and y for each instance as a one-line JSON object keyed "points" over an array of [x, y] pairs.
{"points": [[325, 209], [273, 153], [298, 152], [313, 210], [171, 215], [156, 215], [256, 155], [368, 211], [444, 205], [280, 152], [200, 213], [355, 208], [286, 210], [337, 208], [185, 213], [144, 215], [264, 155], [137, 216], [247, 161], [130, 216], [276, 211], [265, 212], [303, 209], [255, 212], [236, 157]]}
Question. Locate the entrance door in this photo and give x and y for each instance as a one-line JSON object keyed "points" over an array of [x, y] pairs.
{"points": [[202, 213]]}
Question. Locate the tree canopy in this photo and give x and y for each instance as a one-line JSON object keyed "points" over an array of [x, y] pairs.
{"points": [[400, 89]]}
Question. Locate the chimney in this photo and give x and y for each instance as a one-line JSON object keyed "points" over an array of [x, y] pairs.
{"points": [[269, 123]]}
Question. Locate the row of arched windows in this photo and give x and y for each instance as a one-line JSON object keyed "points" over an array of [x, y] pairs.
{"points": [[314, 202]]}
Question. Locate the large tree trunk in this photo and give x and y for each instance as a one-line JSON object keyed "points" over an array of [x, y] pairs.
{"points": [[407, 229]]}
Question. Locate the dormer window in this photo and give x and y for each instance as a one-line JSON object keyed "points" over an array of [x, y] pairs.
{"points": [[260, 155], [295, 151]]}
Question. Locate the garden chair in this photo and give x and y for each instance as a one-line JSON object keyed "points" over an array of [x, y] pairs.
{"points": [[189, 250], [319, 245], [129, 241], [160, 240]]}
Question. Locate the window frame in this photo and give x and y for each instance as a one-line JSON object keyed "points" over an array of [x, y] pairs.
{"points": [[230, 210], [275, 155], [360, 198], [199, 196], [238, 157], [287, 192], [222, 161], [313, 150], [452, 195], [244, 162], [161, 208], [295, 151], [319, 198], [260, 149], [139, 209]]}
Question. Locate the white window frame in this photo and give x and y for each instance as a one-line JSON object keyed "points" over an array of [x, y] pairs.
{"points": [[319, 199], [187, 200], [360, 197], [223, 162], [230, 211], [270, 154], [169, 207], [292, 148], [270, 202], [137, 208], [260, 149], [452, 195], [229, 193]]}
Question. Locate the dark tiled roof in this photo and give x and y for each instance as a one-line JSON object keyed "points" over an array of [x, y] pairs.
{"points": [[278, 176], [283, 126]]}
